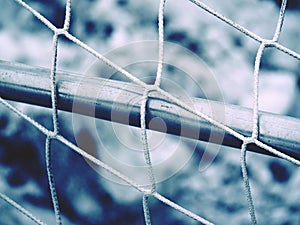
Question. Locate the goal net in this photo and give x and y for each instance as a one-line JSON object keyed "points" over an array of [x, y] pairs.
{"points": [[172, 110]]}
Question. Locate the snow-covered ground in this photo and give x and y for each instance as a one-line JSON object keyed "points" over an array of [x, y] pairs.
{"points": [[214, 192]]}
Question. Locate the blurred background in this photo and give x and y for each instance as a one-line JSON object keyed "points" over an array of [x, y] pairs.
{"points": [[215, 192]]}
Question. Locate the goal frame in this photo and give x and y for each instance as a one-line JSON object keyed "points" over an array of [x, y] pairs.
{"points": [[29, 84]]}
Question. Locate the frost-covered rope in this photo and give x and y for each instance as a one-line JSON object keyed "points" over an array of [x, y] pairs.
{"points": [[145, 141], [255, 125], [246, 182], [244, 30], [53, 87], [67, 15], [40, 127], [255, 115], [146, 210], [157, 82], [147, 156], [181, 209], [37, 15], [51, 182], [160, 42], [280, 21], [21, 209]]}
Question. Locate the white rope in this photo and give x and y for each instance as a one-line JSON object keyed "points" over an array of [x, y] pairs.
{"points": [[255, 122], [145, 141], [40, 127], [51, 181], [160, 42], [21, 209], [255, 125], [280, 21], [226, 20], [157, 83], [98, 162], [244, 30], [67, 15], [246, 182], [53, 85], [147, 157], [37, 15], [146, 210], [105, 60], [276, 152], [181, 209]]}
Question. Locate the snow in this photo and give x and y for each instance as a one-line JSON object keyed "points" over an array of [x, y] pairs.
{"points": [[276, 91], [210, 186]]}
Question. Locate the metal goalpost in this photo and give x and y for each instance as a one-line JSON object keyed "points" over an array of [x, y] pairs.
{"points": [[27, 84]]}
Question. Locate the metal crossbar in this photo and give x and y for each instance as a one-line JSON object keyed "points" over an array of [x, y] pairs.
{"points": [[28, 84]]}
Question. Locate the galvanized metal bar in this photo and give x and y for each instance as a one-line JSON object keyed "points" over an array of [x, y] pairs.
{"points": [[120, 102]]}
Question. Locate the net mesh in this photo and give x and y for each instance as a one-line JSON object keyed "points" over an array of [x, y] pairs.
{"points": [[150, 191]]}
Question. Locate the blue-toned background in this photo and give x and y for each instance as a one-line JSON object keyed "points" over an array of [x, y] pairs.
{"points": [[215, 193]]}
